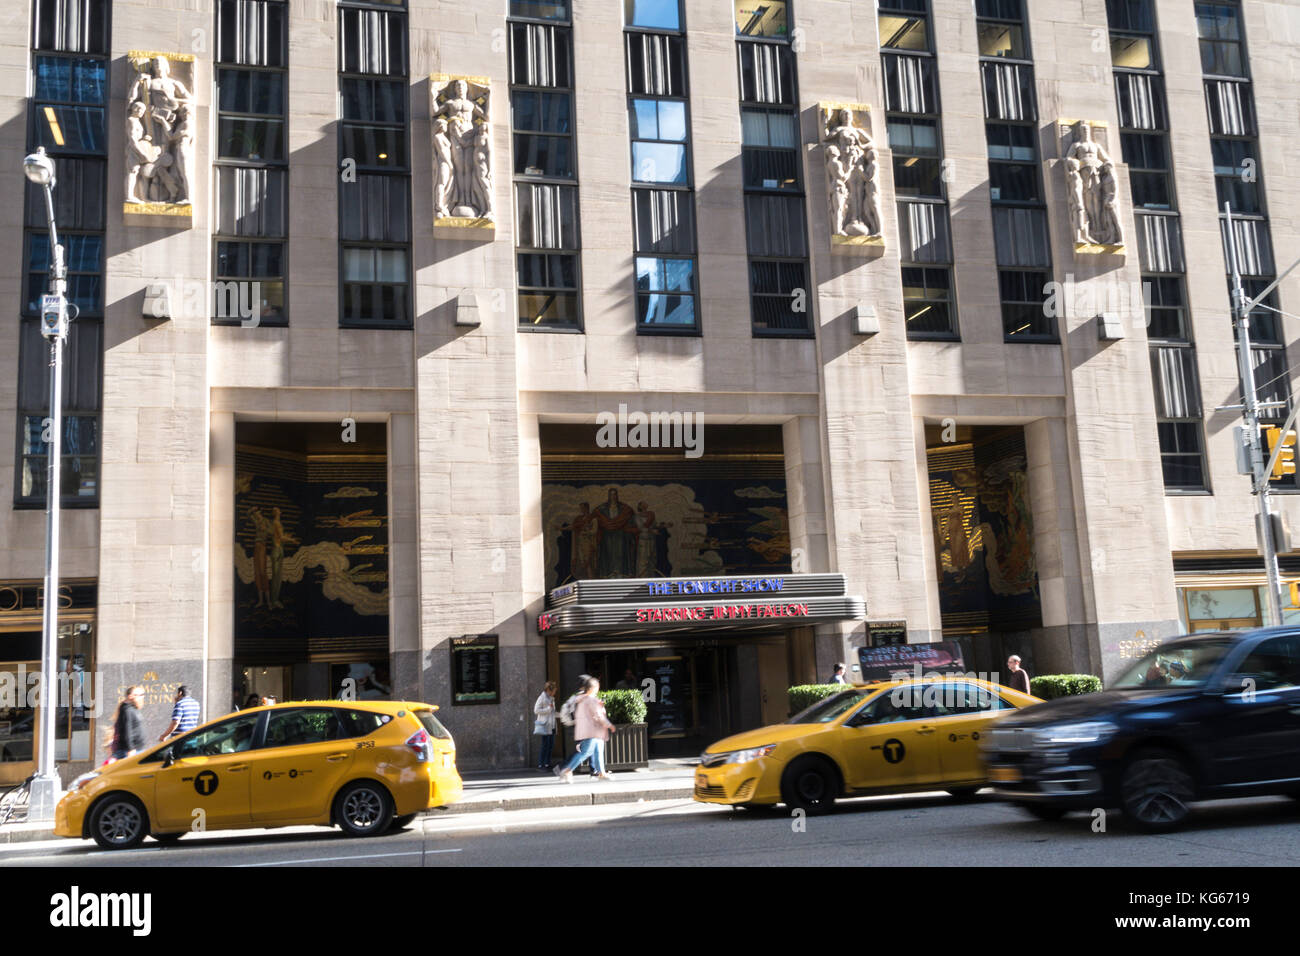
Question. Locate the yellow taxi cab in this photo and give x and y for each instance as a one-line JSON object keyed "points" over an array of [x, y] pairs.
{"points": [[886, 737], [365, 766]]}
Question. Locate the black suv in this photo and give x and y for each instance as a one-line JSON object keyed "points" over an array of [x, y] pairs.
{"points": [[1203, 717]]}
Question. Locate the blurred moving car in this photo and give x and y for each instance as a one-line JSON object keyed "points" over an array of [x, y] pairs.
{"points": [[1201, 717], [889, 737], [364, 766]]}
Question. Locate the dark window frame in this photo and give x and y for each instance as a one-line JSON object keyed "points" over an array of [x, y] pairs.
{"points": [[578, 327], [219, 162], [103, 57], [809, 330], [403, 171], [1010, 336]]}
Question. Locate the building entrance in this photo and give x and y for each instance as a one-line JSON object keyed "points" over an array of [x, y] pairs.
{"points": [[311, 561]]}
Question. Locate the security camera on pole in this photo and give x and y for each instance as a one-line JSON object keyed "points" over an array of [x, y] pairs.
{"points": [[1269, 528], [46, 786]]}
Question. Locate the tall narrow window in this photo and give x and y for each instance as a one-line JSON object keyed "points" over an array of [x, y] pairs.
{"points": [[1021, 243], [250, 170], [1230, 108], [663, 200], [374, 160], [775, 216], [929, 305], [67, 116], [1144, 143], [547, 243]]}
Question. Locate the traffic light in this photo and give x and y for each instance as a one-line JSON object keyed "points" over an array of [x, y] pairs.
{"points": [[1285, 464]]}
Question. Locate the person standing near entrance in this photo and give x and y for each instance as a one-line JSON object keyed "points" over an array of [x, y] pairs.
{"points": [[838, 676], [590, 729], [128, 729], [544, 725], [1019, 676], [185, 714]]}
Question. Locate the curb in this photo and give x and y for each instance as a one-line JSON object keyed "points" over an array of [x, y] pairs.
{"points": [[26, 835], [579, 799]]}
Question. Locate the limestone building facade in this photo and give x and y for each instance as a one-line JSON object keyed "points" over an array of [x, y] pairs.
{"points": [[340, 420]]}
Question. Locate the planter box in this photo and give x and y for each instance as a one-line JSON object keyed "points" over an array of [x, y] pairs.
{"points": [[627, 748]]}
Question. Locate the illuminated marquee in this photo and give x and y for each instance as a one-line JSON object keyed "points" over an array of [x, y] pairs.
{"points": [[720, 612]]}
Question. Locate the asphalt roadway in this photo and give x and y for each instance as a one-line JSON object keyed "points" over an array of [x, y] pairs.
{"points": [[913, 830]]}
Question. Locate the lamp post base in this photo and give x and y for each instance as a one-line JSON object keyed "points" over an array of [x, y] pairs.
{"points": [[45, 796]]}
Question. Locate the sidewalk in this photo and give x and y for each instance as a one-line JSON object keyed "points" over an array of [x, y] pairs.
{"points": [[490, 790]]}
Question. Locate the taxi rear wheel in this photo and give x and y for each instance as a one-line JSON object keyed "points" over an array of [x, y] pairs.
{"points": [[809, 785], [363, 809], [119, 822]]}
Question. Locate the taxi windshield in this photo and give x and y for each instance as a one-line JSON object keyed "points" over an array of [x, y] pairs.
{"points": [[1179, 664], [824, 711]]}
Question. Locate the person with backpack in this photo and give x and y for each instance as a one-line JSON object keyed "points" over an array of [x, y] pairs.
{"points": [[590, 729]]}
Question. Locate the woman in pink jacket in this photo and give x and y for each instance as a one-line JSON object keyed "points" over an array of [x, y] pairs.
{"points": [[590, 729]]}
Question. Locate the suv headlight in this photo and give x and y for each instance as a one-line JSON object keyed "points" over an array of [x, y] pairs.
{"points": [[1086, 732], [745, 756], [81, 781]]}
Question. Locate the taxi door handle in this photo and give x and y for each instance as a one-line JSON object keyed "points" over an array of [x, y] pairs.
{"points": [[238, 766], [336, 757], [925, 730]]}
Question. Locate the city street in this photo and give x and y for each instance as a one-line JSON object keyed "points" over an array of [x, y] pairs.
{"points": [[918, 830]]}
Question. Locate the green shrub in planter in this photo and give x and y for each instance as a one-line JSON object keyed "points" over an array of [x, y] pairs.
{"points": [[803, 696], [623, 706], [1051, 686]]}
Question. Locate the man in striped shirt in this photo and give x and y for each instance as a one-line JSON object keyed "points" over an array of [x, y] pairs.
{"points": [[185, 715]]}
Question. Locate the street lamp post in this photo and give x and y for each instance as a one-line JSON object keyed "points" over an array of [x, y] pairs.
{"points": [[46, 785]]}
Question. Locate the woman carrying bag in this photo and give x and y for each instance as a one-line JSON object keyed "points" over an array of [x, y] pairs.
{"points": [[544, 724]]}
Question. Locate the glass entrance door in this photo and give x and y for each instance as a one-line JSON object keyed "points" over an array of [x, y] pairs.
{"points": [[18, 722]]}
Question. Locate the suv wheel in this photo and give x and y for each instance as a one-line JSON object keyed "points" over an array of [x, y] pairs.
{"points": [[1156, 791], [363, 808], [809, 785], [119, 823]]}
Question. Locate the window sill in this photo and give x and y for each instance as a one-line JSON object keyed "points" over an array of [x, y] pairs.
{"points": [[537, 329], [67, 504], [651, 331], [403, 326]]}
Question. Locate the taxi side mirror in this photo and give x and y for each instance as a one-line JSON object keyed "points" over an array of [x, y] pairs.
{"points": [[169, 758]]}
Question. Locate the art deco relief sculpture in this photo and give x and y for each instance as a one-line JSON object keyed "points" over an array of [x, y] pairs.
{"points": [[1094, 206], [852, 179], [159, 134], [462, 151]]}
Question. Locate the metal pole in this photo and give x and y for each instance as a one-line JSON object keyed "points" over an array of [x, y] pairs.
{"points": [[46, 785], [1250, 412]]}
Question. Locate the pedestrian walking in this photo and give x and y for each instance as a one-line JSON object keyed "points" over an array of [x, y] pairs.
{"points": [[590, 729], [128, 728], [838, 676], [185, 714], [1019, 676], [544, 723]]}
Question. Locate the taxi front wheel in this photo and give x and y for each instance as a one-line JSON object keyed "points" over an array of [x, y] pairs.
{"points": [[363, 809], [809, 785], [119, 822]]}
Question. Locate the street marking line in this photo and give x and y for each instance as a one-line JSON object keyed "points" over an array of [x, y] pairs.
{"points": [[335, 859]]}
